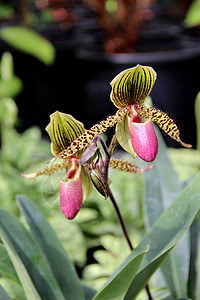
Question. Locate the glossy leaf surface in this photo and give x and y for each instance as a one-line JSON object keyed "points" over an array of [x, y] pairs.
{"points": [[167, 231], [29, 262], [118, 284], [57, 257]]}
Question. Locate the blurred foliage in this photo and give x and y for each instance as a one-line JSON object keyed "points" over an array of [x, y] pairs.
{"points": [[192, 17]]}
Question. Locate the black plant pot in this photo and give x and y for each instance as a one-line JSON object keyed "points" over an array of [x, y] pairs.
{"points": [[174, 91]]}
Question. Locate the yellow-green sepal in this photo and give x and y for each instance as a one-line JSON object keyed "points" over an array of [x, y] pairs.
{"points": [[63, 129], [86, 183], [124, 137], [132, 86]]}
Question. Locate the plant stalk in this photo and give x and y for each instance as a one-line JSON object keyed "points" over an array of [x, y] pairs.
{"points": [[125, 233]]}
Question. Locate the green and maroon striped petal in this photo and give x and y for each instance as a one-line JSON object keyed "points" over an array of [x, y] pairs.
{"points": [[83, 141], [63, 129], [132, 86]]}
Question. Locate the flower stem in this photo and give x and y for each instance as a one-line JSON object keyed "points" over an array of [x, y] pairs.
{"points": [[125, 233]]}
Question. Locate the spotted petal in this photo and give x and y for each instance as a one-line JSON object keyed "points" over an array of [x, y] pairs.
{"points": [[132, 86], [63, 129], [71, 195], [163, 121], [83, 141]]}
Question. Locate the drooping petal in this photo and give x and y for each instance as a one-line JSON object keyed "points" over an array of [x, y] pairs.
{"points": [[71, 196], [132, 86], [48, 170], [124, 137], [63, 129], [163, 121], [144, 140], [127, 166], [83, 141]]}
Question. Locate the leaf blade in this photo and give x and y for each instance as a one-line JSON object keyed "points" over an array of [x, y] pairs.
{"points": [[52, 249], [28, 260]]}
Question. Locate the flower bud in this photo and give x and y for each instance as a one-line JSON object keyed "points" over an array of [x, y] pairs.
{"points": [[100, 182], [132, 86]]}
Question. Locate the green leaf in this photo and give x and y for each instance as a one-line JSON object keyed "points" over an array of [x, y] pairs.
{"points": [[141, 279], [197, 118], [3, 294], [29, 262], [30, 42], [160, 191], [57, 257], [197, 288], [6, 267], [10, 88], [119, 283], [167, 231]]}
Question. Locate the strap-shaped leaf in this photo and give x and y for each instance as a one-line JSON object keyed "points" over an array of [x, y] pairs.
{"points": [[52, 248], [3, 294], [163, 121], [132, 86], [63, 129], [29, 262], [118, 284]]}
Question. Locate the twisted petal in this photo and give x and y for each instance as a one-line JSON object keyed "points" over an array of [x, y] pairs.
{"points": [[132, 86], [144, 140], [163, 120], [123, 165], [83, 141], [71, 196], [63, 129]]}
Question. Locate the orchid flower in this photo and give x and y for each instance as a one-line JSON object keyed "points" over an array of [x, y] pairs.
{"points": [[78, 148], [134, 130], [63, 129]]}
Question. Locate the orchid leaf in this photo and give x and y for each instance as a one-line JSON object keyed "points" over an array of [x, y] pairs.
{"points": [[6, 266], [118, 284], [160, 192], [57, 257], [29, 262], [3, 294], [197, 109], [166, 232], [30, 42]]}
